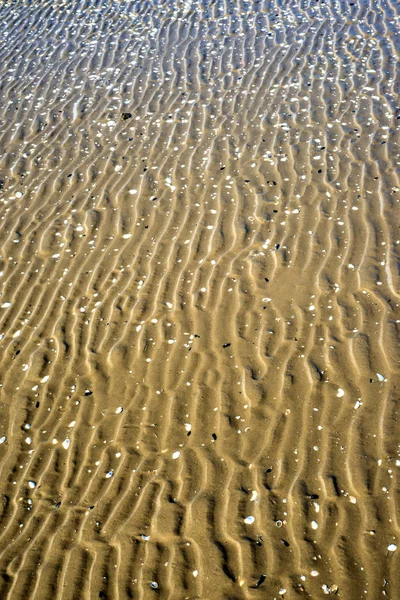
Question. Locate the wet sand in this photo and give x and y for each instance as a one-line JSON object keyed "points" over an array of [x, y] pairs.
{"points": [[199, 322]]}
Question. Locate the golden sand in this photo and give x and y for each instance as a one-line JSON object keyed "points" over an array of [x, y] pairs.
{"points": [[199, 322]]}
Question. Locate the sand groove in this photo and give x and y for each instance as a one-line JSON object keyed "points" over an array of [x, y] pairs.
{"points": [[199, 311]]}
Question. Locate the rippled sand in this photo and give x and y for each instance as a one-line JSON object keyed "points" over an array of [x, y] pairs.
{"points": [[200, 250]]}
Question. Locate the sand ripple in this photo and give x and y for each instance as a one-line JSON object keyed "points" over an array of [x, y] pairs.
{"points": [[199, 322]]}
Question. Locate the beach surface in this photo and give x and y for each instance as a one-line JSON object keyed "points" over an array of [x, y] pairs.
{"points": [[199, 300]]}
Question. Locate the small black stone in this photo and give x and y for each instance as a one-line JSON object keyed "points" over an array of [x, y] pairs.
{"points": [[260, 581]]}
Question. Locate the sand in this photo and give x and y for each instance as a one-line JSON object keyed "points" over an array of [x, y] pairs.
{"points": [[199, 322]]}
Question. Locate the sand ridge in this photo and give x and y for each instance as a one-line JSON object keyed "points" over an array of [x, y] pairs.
{"points": [[199, 310]]}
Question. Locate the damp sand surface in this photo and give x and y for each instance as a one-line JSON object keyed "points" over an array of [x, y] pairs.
{"points": [[199, 309]]}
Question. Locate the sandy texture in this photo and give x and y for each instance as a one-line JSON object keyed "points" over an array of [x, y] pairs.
{"points": [[200, 249]]}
